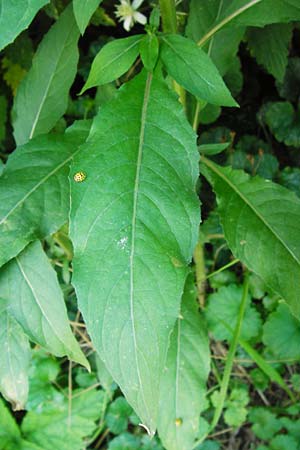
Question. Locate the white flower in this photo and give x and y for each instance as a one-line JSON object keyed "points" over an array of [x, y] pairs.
{"points": [[127, 12]]}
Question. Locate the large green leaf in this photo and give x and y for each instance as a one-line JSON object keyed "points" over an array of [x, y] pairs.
{"points": [[29, 285], [185, 375], [270, 46], [83, 11], [14, 361], [194, 70], [34, 191], [42, 95], [261, 224], [15, 16], [134, 226], [113, 60]]}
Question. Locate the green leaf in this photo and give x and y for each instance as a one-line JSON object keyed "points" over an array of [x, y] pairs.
{"points": [[9, 431], [35, 299], [42, 96], [270, 47], [15, 16], [213, 149], [149, 48], [265, 423], [57, 429], [194, 70], [118, 415], [14, 361], [260, 220], [125, 230], [283, 121], [184, 381], [282, 334], [113, 60], [34, 191], [222, 312], [282, 442], [126, 441], [83, 11]]}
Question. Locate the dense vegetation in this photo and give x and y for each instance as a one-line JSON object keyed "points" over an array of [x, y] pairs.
{"points": [[126, 322]]}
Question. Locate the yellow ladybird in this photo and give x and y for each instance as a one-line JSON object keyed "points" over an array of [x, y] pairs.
{"points": [[79, 177]]}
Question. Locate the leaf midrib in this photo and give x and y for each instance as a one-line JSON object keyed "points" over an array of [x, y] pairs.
{"points": [[214, 168], [133, 229]]}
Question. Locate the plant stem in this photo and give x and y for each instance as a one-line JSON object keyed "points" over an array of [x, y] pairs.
{"points": [[224, 22], [231, 263], [168, 15], [200, 272], [229, 362], [230, 358]]}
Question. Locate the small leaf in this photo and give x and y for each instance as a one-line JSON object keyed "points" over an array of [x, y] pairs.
{"points": [[141, 163], [34, 190], [118, 415], [260, 220], [42, 96], [149, 48], [265, 423], [59, 429], [83, 11], [30, 286], [113, 60], [14, 361], [222, 311], [184, 381], [194, 70], [213, 149], [282, 334], [15, 17]]}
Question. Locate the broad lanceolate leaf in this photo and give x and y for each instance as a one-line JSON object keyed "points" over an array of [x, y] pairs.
{"points": [[261, 224], [29, 285], [134, 226], [83, 11], [185, 375], [113, 60], [42, 96], [15, 16], [34, 191], [270, 47], [14, 361], [194, 70]]}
